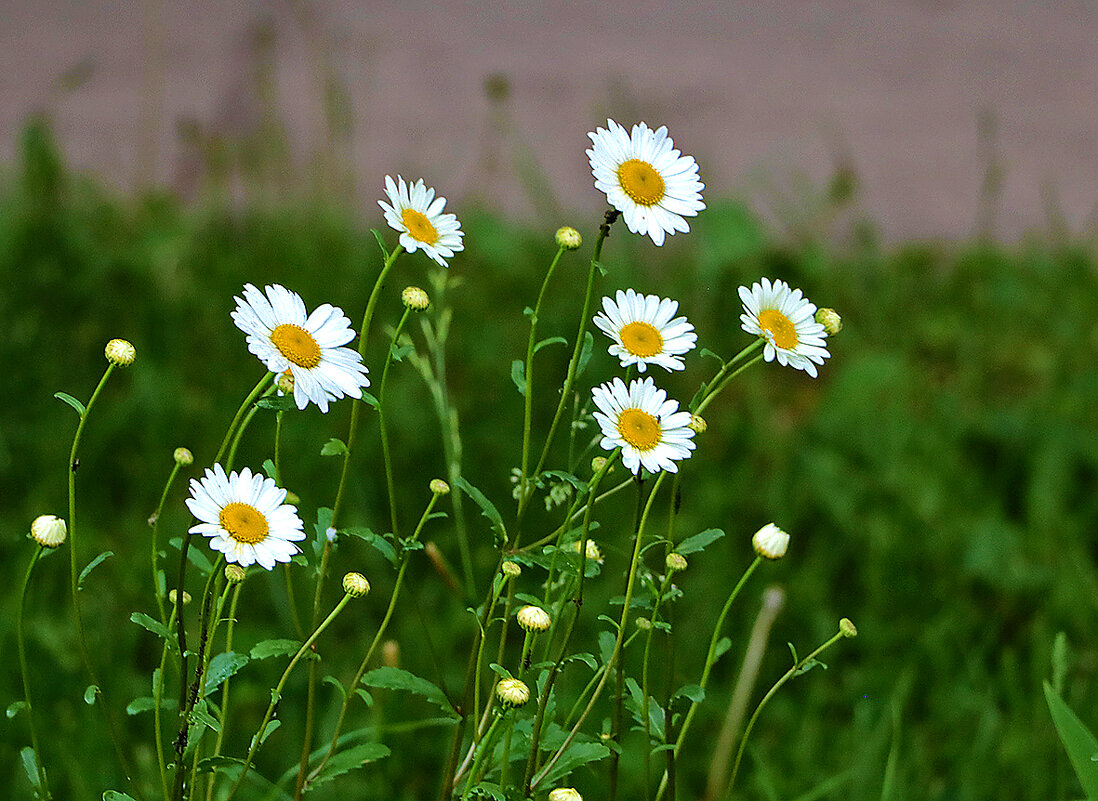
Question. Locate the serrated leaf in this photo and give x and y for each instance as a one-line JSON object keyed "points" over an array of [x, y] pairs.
{"points": [[71, 401], [380, 243], [333, 447], [153, 625], [349, 760], [550, 341], [277, 403], [90, 693], [487, 790], [146, 704], [695, 692], [15, 709], [210, 764], [487, 508], [575, 481], [1078, 740], [200, 714], [221, 667], [384, 547], [393, 678], [577, 755], [699, 541], [115, 795], [30, 766], [585, 353], [92, 565], [518, 375], [269, 648]]}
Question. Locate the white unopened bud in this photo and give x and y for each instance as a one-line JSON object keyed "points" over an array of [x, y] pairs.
{"points": [[534, 618], [355, 585], [120, 353], [49, 531], [770, 542], [183, 457], [568, 238], [439, 487], [675, 562], [512, 692], [415, 298], [186, 597], [511, 569], [565, 794], [234, 574], [830, 320]]}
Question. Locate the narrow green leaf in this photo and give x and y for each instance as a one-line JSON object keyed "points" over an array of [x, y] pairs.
{"points": [[30, 766], [332, 680], [92, 565], [213, 763], [577, 755], [575, 481], [1079, 742], [269, 729], [398, 353], [384, 547], [600, 267], [370, 400], [723, 644], [71, 401], [487, 790], [550, 341], [585, 353], [221, 667], [115, 795], [380, 243], [699, 541], [323, 523], [351, 759], [269, 468], [15, 709], [333, 447], [1060, 659], [710, 354], [201, 715], [153, 625], [90, 693], [194, 555], [147, 704], [518, 375], [269, 648], [694, 692], [392, 678], [486, 508], [277, 403]]}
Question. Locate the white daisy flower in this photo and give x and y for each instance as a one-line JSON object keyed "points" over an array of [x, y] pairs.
{"points": [[643, 331], [646, 178], [650, 430], [416, 212], [283, 337], [784, 318], [245, 517]]}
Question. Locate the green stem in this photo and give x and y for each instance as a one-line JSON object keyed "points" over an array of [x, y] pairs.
{"points": [[230, 459], [156, 542], [720, 380], [225, 687], [45, 786], [158, 718], [245, 407], [385, 452], [644, 679], [616, 653], [373, 645], [486, 747], [276, 694], [793, 671], [573, 364]]}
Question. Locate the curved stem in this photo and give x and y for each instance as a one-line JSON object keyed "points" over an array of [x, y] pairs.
{"points": [[156, 542], [25, 671], [225, 687], [276, 694], [385, 453], [243, 410], [719, 383], [158, 718]]}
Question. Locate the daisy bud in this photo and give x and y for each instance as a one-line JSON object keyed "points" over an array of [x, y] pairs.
{"points": [[569, 238], [285, 383], [49, 531], [847, 628], [830, 320], [390, 653], [564, 794], [439, 487], [697, 424], [120, 353], [598, 463], [593, 552], [234, 574], [675, 562], [415, 298], [512, 692], [511, 569], [770, 542], [534, 618], [644, 624], [183, 457], [186, 597], [355, 585]]}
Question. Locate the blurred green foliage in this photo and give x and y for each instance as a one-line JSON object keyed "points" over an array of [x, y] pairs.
{"points": [[938, 479]]}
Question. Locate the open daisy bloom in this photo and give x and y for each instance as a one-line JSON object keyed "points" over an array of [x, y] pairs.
{"points": [[646, 179], [784, 318], [414, 210], [643, 331], [284, 338], [245, 517], [650, 430]]}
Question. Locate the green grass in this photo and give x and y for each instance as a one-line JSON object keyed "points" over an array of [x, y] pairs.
{"points": [[938, 479]]}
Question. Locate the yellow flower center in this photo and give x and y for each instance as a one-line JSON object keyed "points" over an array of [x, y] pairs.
{"points": [[641, 339], [779, 327], [296, 344], [419, 226], [641, 182], [244, 523], [639, 429]]}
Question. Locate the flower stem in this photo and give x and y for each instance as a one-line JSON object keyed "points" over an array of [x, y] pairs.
{"points": [[720, 380], [385, 452], [156, 542], [43, 782], [225, 688], [276, 693]]}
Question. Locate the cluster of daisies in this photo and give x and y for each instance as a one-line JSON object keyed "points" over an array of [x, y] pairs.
{"points": [[654, 187]]}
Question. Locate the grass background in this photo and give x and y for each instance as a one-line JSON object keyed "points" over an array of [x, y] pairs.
{"points": [[938, 479]]}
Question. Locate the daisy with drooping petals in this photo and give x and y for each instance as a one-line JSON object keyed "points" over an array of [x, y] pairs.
{"points": [[416, 213], [643, 331], [646, 178], [283, 337], [650, 430], [245, 517], [784, 318]]}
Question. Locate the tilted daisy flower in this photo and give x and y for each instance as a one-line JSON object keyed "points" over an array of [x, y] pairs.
{"points": [[245, 518], [643, 331], [646, 178], [414, 210], [284, 337], [784, 318], [650, 430]]}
